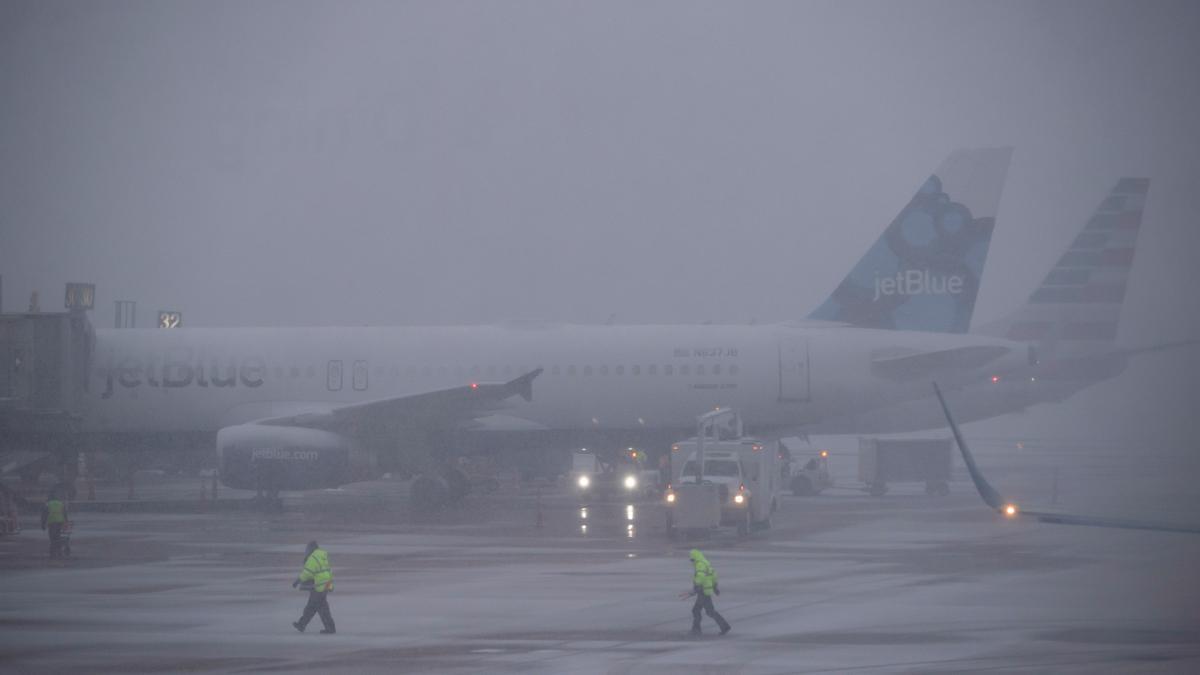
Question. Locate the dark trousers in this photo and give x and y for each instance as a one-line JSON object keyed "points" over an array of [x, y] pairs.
{"points": [[705, 602], [317, 604], [56, 542]]}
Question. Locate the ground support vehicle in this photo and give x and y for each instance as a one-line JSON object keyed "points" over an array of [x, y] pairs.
{"points": [[612, 475], [806, 478], [693, 507], [882, 461], [744, 473]]}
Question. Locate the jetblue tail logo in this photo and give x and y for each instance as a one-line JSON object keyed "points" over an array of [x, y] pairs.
{"points": [[917, 282], [922, 274]]}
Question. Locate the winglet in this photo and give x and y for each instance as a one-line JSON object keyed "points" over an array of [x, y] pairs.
{"points": [[986, 491], [523, 385]]}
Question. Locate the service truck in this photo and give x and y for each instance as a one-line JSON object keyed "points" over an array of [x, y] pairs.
{"points": [[622, 474], [744, 471], [804, 478], [911, 460]]}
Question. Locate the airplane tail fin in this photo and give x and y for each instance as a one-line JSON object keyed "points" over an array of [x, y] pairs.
{"points": [[923, 273], [1076, 309]]}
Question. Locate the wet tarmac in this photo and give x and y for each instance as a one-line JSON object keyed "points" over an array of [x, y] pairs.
{"points": [[842, 582]]}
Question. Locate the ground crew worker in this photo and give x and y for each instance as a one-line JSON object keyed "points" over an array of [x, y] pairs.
{"points": [[317, 579], [54, 517], [704, 587]]}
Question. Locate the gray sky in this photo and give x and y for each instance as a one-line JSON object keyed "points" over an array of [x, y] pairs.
{"points": [[294, 163]]}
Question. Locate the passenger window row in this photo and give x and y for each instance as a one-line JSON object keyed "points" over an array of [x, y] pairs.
{"points": [[668, 370]]}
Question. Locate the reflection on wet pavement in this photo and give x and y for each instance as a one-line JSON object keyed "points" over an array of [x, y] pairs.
{"points": [[608, 520]]}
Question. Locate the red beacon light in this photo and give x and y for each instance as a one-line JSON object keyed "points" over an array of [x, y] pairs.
{"points": [[474, 385], [995, 379]]}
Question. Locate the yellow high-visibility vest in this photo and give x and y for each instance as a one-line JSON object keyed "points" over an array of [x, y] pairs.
{"points": [[56, 512], [317, 570]]}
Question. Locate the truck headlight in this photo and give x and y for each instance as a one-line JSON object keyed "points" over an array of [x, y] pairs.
{"points": [[584, 481], [630, 482]]}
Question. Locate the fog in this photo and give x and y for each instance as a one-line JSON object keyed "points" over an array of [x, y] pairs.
{"points": [[298, 163], [365, 163]]}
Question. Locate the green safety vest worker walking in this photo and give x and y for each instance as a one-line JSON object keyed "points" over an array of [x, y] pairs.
{"points": [[317, 579], [54, 518], [704, 587]]}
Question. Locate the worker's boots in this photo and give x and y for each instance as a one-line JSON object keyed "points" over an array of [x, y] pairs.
{"points": [[725, 627]]}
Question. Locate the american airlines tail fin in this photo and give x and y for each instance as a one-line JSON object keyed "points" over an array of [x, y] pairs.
{"points": [[1076, 309], [923, 273]]}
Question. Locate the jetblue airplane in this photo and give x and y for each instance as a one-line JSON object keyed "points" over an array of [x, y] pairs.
{"points": [[302, 408]]}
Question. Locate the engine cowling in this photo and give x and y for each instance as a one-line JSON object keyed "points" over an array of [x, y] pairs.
{"points": [[263, 457]]}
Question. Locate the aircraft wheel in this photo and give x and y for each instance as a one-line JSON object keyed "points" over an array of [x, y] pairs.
{"points": [[743, 526]]}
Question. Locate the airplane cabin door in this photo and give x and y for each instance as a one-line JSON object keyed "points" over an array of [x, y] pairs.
{"points": [[359, 375], [794, 377]]}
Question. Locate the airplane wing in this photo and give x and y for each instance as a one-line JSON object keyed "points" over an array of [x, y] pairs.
{"points": [[1161, 347], [439, 407], [926, 364], [1010, 510]]}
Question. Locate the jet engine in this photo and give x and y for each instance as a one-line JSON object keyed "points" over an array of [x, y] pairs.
{"points": [[274, 458]]}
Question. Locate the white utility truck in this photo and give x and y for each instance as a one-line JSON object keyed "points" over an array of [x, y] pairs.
{"points": [[741, 475]]}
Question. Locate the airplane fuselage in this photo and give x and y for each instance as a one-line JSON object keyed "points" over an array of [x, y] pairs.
{"points": [[594, 377]]}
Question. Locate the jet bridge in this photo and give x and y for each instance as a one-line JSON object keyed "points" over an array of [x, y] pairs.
{"points": [[45, 359]]}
